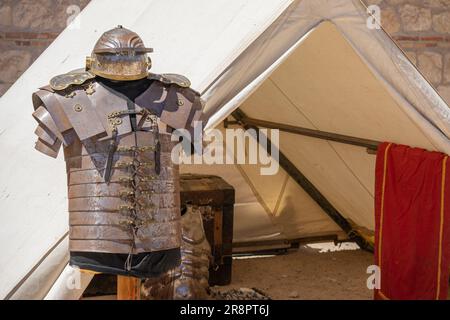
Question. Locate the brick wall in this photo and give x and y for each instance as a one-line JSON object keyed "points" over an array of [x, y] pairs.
{"points": [[421, 27], [27, 27]]}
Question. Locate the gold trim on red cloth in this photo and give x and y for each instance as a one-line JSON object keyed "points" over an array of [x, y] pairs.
{"points": [[441, 227], [442, 209], [380, 234]]}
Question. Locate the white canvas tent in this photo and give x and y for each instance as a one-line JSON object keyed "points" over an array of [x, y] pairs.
{"points": [[307, 63]]}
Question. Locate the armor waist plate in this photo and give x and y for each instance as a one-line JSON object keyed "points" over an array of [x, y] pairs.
{"points": [[137, 211]]}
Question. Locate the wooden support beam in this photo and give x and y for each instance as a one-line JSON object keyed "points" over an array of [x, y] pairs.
{"points": [[307, 185], [128, 288], [360, 142], [256, 247]]}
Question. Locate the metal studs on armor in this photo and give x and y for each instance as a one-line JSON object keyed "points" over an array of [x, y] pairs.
{"points": [[78, 107], [125, 180], [147, 193], [148, 178], [125, 208], [122, 165], [126, 194]]}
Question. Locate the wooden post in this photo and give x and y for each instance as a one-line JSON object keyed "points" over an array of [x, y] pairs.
{"points": [[128, 288]]}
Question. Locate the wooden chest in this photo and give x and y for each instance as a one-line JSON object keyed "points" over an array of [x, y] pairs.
{"points": [[215, 198]]}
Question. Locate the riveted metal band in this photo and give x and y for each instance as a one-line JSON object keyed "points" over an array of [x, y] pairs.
{"points": [[126, 145], [113, 204], [137, 205], [123, 246], [121, 175], [108, 218], [115, 189]]}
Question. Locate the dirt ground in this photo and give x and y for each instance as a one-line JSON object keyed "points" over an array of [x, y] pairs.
{"points": [[309, 273], [306, 274], [314, 272]]}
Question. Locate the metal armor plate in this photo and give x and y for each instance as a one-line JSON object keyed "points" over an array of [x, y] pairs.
{"points": [[75, 77], [190, 280], [171, 78]]}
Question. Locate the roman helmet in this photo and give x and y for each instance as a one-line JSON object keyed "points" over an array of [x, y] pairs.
{"points": [[119, 54]]}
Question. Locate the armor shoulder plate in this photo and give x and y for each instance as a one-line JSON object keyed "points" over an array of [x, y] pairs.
{"points": [[171, 78], [75, 77]]}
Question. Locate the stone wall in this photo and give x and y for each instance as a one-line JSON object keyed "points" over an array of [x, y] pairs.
{"points": [[421, 27], [27, 27]]}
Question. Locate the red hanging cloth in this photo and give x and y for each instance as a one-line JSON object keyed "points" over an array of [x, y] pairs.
{"points": [[412, 223]]}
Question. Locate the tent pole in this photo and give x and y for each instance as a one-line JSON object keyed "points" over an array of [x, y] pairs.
{"points": [[366, 143], [308, 186]]}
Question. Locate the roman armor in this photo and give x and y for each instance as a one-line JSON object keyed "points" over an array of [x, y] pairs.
{"points": [[189, 281], [114, 119]]}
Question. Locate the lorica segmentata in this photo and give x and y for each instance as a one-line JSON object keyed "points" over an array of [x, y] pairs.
{"points": [[123, 187], [115, 120]]}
